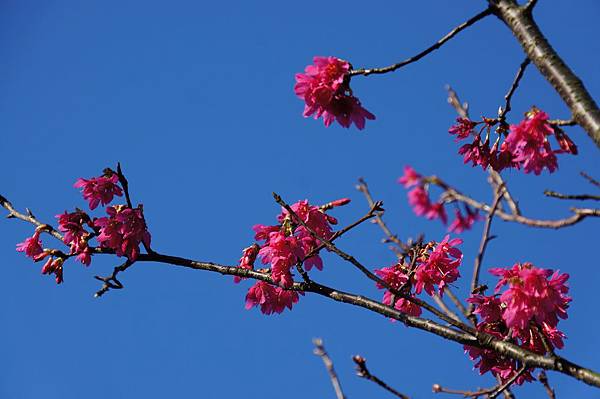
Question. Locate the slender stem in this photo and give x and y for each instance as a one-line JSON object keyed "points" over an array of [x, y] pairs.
{"points": [[582, 197], [428, 50], [485, 239], [590, 179], [543, 379], [513, 88], [322, 353], [442, 305], [363, 372], [508, 383]]}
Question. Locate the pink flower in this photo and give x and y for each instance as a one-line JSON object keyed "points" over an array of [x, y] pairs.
{"points": [[565, 142], [75, 234], [529, 146], [99, 190], [488, 307], [462, 223], [325, 89], [247, 260], [533, 294], [418, 198], [410, 177], [282, 252], [462, 129], [123, 231], [437, 211], [478, 153], [32, 246], [271, 299], [395, 277], [439, 268]]}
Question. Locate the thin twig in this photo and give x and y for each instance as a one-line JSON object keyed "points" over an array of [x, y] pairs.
{"points": [[457, 302], [437, 388], [442, 305], [462, 109], [320, 351], [423, 53], [590, 179], [497, 181], [364, 188], [30, 218], [543, 378], [485, 239], [562, 122], [581, 197], [511, 91], [508, 383], [363, 371], [111, 282]]}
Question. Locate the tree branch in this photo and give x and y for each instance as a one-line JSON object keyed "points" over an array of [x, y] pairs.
{"points": [[423, 53], [570, 88], [322, 353], [363, 372]]}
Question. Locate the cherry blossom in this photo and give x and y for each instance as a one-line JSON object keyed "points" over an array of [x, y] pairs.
{"points": [[99, 190]]}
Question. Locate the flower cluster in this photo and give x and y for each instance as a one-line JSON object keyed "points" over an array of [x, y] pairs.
{"points": [[325, 88], [284, 246], [526, 313], [525, 145], [436, 265], [122, 231], [418, 198]]}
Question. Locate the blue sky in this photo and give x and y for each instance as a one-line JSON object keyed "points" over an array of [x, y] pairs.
{"points": [[195, 99]]}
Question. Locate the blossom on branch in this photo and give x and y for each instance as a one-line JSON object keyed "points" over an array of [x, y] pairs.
{"points": [[75, 234], [526, 313], [32, 246], [123, 231], [99, 190], [271, 299], [325, 88]]}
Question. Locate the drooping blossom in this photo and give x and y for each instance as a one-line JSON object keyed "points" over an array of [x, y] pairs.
{"points": [[418, 198], [529, 145], [123, 231], [438, 268], [410, 177], [72, 224], [99, 190], [271, 299], [32, 246], [462, 223], [324, 87], [396, 278], [524, 146], [526, 312], [462, 129]]}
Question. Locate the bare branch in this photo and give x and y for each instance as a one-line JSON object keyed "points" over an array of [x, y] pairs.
{"points": [[581, 197], [511, 91], [590, 179], [320, 351], [508, 383], [462, 109], [485, 238], [363, 371], [111, 282], [543, 378], [423, 53]]}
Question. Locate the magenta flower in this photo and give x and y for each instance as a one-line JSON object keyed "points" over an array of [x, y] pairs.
{"points": [[418, 198], [395, 277], [324, 87], [247, 260], [271, 299], [477, 153], [75, 234], [462, 129], [462, 223], [439, 268], [99, 190], [283, 252], [410, 177], [123, 231], [32, 246]]}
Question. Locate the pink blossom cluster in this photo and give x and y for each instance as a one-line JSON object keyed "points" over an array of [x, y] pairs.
{"points": [[285, 245], [525, 145], [122, 231], [325, 88], [526, 313], [418, 198], [435, 267]]}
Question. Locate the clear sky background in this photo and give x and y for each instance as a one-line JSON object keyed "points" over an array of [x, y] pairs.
{"points": [[195, 99]]}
